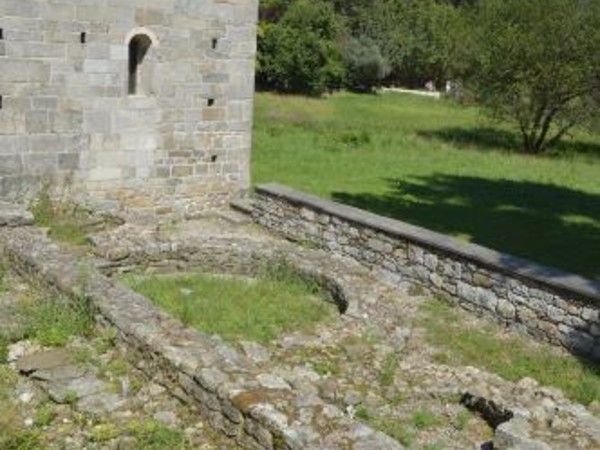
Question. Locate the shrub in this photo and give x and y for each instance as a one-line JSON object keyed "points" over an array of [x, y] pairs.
{"points": [[299, 54], [365, 65]]}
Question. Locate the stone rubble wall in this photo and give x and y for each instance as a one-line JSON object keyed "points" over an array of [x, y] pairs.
{"points": [[548, 304], [258, 410]]}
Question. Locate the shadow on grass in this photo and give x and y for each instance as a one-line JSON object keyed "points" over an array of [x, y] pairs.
{"points": [[551, 225], [489, 138]]}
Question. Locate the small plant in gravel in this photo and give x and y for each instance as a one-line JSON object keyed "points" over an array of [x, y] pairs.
{"points": [[44, 415], [71, 397], [363, 413], [326, 368], [461, 421], [510, 356], [389, 367], [2, 277], [433, 446], [117, 367], [83, 355], [53, 320], [423, 419], [397, 398], [107, 339], [152, 435], [105, 432], [4, 343], [19, 439], [13, 434], [324, 361], [397, 430], [8, 379]]}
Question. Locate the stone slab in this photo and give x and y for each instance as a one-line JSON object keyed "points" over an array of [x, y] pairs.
{"points": [[12, 215], [47, 360]]}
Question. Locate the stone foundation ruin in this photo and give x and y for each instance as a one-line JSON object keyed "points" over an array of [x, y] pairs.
{"points": [[270, 402]]}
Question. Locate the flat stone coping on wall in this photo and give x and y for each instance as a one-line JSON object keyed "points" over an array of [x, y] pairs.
{"points": [[492, 259]]}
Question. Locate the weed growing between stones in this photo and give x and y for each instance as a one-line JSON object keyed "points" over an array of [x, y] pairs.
{"points": [[13, 434], [512, 358], [389, 369], [434, 446], [64, 222], [152, 435], [2, 277], [423, 419], [3, 349], [276, 301], [147, 435], [19, 439], [44, 415], [67, 222], [400, 431], [52, 321]]}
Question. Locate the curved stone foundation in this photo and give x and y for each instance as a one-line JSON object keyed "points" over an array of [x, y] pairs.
{"points": [[254, 408], [221, 256]]}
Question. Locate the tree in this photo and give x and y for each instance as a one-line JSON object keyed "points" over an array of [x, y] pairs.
{"points": [[415, 36], [537, 64], [365, 65], [299, 53]]}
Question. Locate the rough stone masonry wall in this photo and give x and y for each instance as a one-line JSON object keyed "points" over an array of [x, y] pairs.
{"points": [[258, 410], [561, 308], [66, 115]]}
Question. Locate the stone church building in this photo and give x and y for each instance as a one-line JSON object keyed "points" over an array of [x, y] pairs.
{"points": [[147, 103]]}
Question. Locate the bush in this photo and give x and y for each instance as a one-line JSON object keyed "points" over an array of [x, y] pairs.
{"points": [[365, 65], [299, 54]]}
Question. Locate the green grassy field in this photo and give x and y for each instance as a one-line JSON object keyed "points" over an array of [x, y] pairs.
{"points": [[277, 301], [510, 356], [438, 165]]}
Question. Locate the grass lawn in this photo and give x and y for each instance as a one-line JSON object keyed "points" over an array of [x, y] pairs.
{"points": [[512, 357], [236, 309], [438, 165]]}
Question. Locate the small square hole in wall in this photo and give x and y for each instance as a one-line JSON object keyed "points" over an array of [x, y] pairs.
{"points": [[214, 43], [211, 102], [83, 37], [213, 158]]}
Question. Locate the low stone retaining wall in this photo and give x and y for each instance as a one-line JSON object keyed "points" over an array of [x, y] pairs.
{"points": [[548, 304], [258, 410]]}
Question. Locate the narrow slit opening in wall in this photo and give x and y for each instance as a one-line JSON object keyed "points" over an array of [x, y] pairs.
{"points": [[214, 43], [138, 49], [211, 102], [83, 37], [1, 34], [1, 102]]}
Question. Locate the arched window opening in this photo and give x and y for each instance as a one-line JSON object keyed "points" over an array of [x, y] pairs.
{"points": [[138, 49]]}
